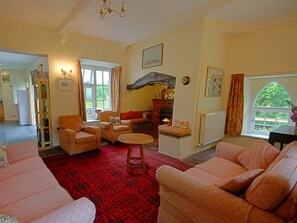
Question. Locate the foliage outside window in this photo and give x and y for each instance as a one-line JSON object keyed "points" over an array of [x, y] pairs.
{"points": [[96, 82], [270, 109]]}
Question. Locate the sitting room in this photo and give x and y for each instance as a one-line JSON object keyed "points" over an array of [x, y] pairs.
{"points": [[187, 115]]}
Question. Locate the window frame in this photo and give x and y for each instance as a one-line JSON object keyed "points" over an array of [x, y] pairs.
{"points": [[94, 85]]}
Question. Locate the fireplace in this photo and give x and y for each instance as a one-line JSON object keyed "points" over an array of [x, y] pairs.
{"points": [[165, 116], [162, 109]]}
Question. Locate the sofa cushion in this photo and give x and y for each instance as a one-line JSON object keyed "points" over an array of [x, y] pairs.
{"points": [[21, 167], [37, 205], [83, 137], [205, 176], [131, 115], [25, 185], [270, 189], [3, 156], [175, 131], [258, 156], [238, 184], [21, 151], [214, 166]]}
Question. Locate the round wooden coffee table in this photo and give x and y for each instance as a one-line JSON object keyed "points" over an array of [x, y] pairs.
{"points": [[135, 140]]}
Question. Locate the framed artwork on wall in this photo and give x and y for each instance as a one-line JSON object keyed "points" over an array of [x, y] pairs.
{"points": [[64, 84], [214, 82], [5, 77], [152, 56]]}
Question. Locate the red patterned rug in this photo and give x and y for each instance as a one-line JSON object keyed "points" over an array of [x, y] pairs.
{"points": [[102, 176]]}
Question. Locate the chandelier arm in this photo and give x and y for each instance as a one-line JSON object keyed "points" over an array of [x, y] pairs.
{"points": [[106, 7]]}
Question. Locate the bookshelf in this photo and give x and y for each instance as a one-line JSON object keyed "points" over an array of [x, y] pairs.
{"points": [[42, 109]]}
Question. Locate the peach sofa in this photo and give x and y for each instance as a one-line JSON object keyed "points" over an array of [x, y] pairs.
{"points": [[225, 188], [30, 193]]}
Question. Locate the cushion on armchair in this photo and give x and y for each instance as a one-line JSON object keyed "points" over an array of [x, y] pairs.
{"points": [[114, 120], [73, 123]]}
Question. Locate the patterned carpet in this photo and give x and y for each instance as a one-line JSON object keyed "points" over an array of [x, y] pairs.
{"points": [[101, 175]]}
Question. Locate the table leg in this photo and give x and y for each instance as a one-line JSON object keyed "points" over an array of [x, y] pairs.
{"points": [[129, 157], [142, 157]]}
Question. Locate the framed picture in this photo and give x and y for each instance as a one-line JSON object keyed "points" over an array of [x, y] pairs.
{"points": [[152, 56], [5, 78], [64, 84], [214, 82]]}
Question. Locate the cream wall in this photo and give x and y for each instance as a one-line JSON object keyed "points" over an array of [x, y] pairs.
{"points": [[181, 57], [23, 37], [214, 49], [266, 52]]}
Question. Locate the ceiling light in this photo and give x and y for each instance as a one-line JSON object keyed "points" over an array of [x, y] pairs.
{"points": [[106, 7]]}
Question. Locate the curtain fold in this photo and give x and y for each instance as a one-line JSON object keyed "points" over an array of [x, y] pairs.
{"points": [[115, 88], [234, 116], [81, 95]]}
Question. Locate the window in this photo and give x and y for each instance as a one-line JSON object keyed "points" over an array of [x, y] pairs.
{"points": [[96, 82], [270, 109]]}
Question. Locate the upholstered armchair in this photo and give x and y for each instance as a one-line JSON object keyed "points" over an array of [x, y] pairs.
{"points": [[76, 138], [112, 126]]}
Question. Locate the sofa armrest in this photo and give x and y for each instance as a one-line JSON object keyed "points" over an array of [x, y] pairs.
{"points": [[198, 199], [21, 150], [106, 125], [81, 210], [67, 135], [229, 151]]}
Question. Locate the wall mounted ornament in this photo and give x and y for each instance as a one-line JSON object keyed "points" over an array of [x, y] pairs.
{"points": [[214, 82], [186, 80]]}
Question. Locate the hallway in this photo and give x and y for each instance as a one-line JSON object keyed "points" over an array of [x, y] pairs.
{"points": [[12, 132]]}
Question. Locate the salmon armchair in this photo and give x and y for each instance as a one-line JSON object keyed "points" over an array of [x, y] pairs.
{"points": [[110, 130], [76, 138]]}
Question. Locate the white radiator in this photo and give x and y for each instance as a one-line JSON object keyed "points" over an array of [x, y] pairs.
{"points": [[212, 127]]}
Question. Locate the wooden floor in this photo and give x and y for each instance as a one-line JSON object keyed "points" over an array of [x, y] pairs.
{"points": [[200, 157]]}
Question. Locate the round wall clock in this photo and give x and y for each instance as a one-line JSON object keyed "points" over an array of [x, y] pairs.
{"points": [[186, 80]]}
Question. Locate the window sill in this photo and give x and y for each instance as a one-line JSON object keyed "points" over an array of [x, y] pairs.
{"points": [[255, 136]]}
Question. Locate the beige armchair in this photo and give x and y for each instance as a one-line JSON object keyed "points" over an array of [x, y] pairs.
{"points": [[76, 138], [111, 131]]}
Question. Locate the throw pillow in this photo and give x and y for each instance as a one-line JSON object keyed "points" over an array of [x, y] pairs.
{"points": [[238, 184], [181, 124], [73, 123], [3, 156], [258, 156], [7, 219], [114, 120]]}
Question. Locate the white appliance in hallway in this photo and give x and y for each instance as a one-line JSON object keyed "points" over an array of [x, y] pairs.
{"points": [[23, 107]]}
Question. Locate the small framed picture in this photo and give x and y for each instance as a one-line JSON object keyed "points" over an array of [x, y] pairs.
{"points": [[5, 78], [152, 56], [64, 84], [214, 82]]}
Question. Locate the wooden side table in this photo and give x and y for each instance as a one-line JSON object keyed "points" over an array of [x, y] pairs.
{"points": [[134, 140], [283, 135]]}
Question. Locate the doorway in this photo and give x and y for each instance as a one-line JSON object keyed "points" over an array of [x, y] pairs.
{"points": [[17, 96]]}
